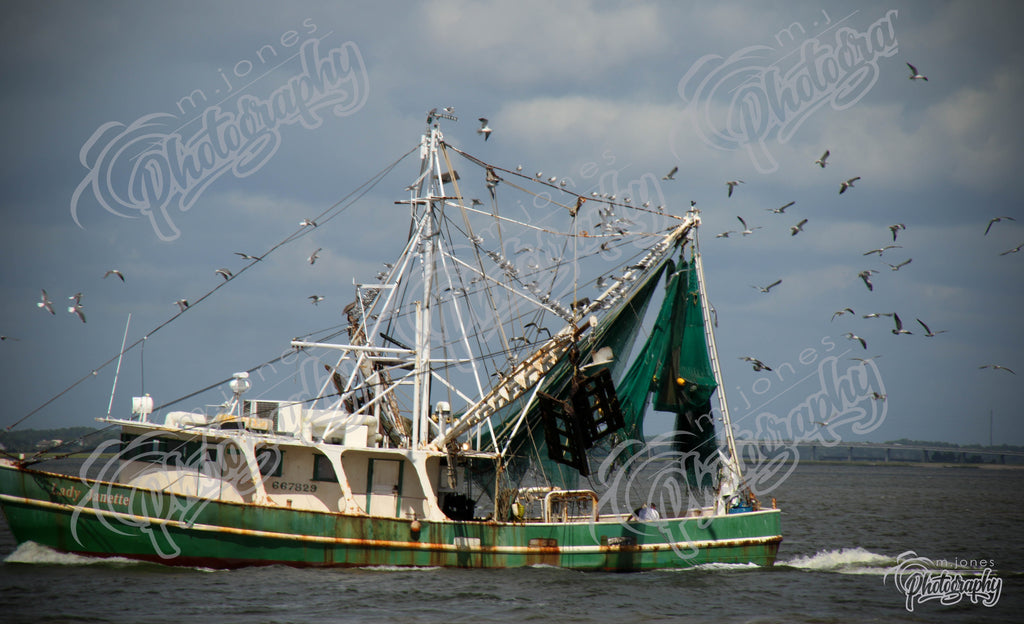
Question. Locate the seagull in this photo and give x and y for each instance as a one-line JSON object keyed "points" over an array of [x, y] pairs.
{"points": [[747, 229], [77, 308], [725, 234], [758, 364], [315, 299], [899, 326], [929, 333], [113, 272], [878, 396], [732, 184], [897, 267], [671, 175], [996, 220], [3, 338], [821, 161], [316, 254], [484, 129], [46, 304], [896, 227], [847, 184], [765, 289], [539, 328], [246, 256], [1014, 250], [799, 227], [225, 273], [853, 336], [866, 276], [882, 250], [877, 315], [781, 209], [996, 367], [307, 223], [866, 360], [182, 304], [842, 312], [476, 202], [915, 75]]}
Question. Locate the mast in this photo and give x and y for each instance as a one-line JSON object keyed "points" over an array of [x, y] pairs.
{"points": [[709, 338]]}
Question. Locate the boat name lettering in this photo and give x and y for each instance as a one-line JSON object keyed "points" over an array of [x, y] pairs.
{"points": [[112, 499], [68, 492]]}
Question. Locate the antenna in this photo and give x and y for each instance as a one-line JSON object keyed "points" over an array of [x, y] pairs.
{"points": [[117, 371]]}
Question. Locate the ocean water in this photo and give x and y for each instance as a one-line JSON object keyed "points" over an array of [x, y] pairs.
{"points": [[845, 528]]}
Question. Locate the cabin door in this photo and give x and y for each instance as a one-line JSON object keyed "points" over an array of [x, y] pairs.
{"points": [[384, 487]]}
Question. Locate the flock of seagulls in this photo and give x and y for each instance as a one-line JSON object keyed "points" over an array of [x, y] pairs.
{"points": [[76, 307], [895, 229]]}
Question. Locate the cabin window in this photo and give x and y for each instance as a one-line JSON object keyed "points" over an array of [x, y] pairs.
{"points": [[322, 469], [271, 461]]}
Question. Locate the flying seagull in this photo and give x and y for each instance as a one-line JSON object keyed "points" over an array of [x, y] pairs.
{"points": [[315, 299], [847, 184], [765, 289], [1014, 250], [899, 326], [853, 336], [916, 75], [732, 184], [182, 304], [799, 227], [307, 223], [758, 364], [725, 234], [671, 175], [746, 228], [877, 315], [842, 312], [77, 307], [246, 256], [46, 304], [821, 162], [113, 272], [225, 273], [878, 396], [484, 129], [316, 254], [996, 220], [929, 333], [780, 209], [996, 367], [882, 250], [866, 276], [897, 267], [896, 227]]}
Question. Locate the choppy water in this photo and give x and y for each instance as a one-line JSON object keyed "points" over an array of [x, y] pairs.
{"points": [[844, 526]]}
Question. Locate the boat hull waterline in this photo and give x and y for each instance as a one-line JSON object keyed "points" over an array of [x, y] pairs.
{"points": [[63, 513]]}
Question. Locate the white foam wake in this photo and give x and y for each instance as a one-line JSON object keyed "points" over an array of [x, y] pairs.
{"points": [[844, 561]]}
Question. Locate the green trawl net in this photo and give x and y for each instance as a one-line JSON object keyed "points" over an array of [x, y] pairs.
{"points": [[674, 364]]}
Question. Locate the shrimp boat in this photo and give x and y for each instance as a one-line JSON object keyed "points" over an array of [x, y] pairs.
{"points": [[482, 406]]}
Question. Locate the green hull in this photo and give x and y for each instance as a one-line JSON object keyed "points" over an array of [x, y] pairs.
{"points": [[103, 519]]}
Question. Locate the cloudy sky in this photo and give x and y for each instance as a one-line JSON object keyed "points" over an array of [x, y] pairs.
{"points": [[722, 90]]}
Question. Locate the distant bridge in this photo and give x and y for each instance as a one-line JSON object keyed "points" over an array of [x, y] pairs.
{"points": [[883, 452]]}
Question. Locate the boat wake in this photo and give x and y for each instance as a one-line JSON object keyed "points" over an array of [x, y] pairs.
{"points": [[843, 561], [31, 552]]}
